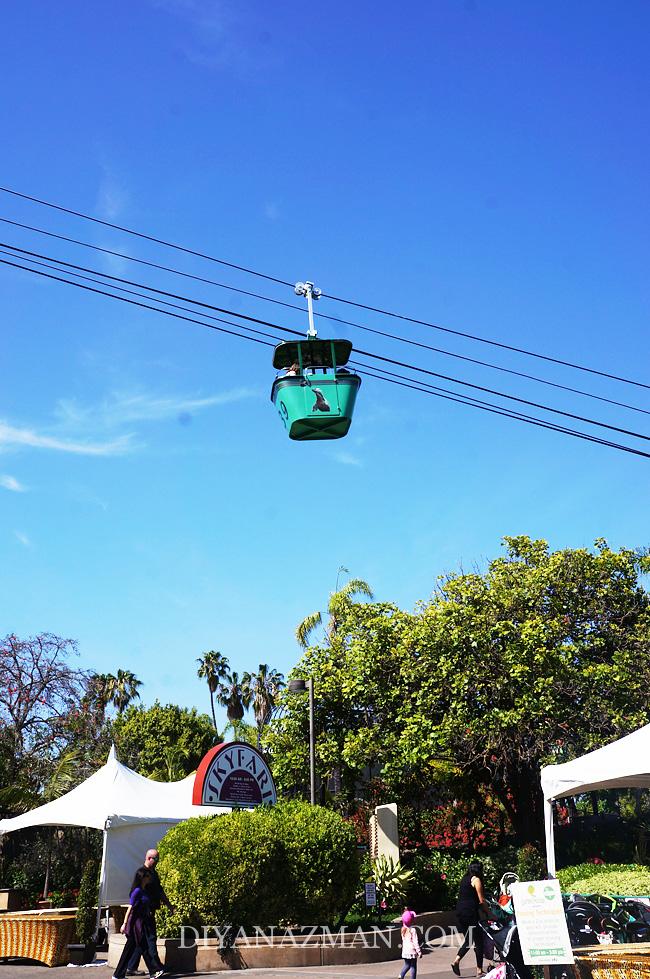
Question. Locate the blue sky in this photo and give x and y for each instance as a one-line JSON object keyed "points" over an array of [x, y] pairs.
{"points": [[483, 166]]}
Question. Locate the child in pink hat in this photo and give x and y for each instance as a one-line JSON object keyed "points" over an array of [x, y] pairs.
{"points": [[410, 945]]}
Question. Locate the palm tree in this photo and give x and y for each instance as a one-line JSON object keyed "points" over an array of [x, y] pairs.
{"points": [[99, 691], [234, 697], [123, 689], [262, 689], [215, 669], [339, 603]]}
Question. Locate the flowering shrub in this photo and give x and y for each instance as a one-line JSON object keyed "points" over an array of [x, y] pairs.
{"points": [[451, 826], [66, 898], [358, 820]]}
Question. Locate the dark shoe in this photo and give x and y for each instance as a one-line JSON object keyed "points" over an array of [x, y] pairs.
{"points": [[455, 968]]}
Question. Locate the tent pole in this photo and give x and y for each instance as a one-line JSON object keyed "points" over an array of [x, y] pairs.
{"points": [[550, 841]]}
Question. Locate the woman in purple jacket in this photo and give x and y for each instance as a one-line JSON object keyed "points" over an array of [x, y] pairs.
{"points": [[138, 921]]}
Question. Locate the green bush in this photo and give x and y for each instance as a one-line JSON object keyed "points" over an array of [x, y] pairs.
{"points": [[606, 878], [292, 863], [87, 903], [324, 861], [437, 876], [531, 865]]}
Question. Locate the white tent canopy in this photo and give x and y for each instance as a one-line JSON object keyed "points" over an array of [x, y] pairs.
{"points": [[621, 764], [134, 812]]}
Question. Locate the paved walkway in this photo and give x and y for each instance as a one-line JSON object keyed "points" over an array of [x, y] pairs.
{"points": [[434, 963]]}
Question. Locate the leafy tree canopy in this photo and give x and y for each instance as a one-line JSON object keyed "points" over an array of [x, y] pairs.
{"points": [[538, 659], [163, 742]]}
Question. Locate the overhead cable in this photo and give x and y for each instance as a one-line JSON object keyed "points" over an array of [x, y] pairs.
{"points": [[389, 360], [278, 302], [349, 302], [145, 237], [131, 292], [506, 413], [493, 343], [133, 302], [466, 399]]}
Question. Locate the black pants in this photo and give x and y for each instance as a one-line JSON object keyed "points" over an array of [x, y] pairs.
{"points": [[149, 940], [146, 947], [473, 936]]}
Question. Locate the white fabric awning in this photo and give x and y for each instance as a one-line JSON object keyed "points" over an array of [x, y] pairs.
{"points": [[135, 813], [622, 764], [115, 792]]}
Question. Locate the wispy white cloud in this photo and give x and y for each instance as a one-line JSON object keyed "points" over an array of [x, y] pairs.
{"points": [[122, 408], [215, 34], [12, 437], [347, 459], [22, 538], [271, 211], [112, 201], [99, 429], [81, 494], [10, 483], [112, 197]]}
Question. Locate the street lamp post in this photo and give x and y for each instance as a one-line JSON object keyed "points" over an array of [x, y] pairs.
{"points": [[299, 686]]}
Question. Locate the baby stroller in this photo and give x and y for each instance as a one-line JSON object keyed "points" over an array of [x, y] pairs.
{"points": [[501, 930], [588, 924]]}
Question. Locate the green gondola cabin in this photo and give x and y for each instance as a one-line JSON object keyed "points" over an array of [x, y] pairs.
{"points": [[315, 397]]}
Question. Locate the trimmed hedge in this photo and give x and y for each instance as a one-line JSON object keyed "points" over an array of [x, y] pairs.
{"points": [[606, 878], [292, 863]]}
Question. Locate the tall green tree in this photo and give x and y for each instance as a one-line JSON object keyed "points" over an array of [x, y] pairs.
{"points": [[241, 731], [214, 668], [99, 691], [261, 690], [538, 659], [356, 683], [163, 741]]}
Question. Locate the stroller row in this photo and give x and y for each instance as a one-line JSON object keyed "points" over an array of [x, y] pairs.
{"points": [[599, 919]]}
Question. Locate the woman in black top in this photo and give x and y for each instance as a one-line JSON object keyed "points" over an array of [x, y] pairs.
{"points": [[471, 897]]}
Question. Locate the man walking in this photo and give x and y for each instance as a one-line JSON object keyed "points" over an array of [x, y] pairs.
{"points": [[157, 897]]}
